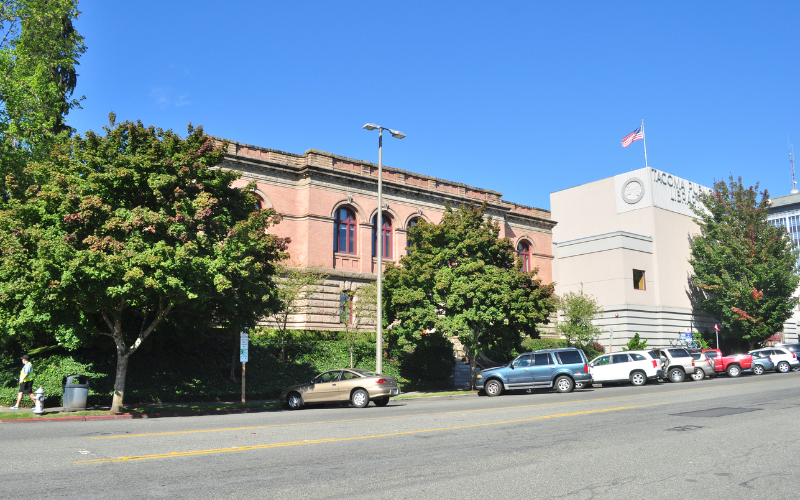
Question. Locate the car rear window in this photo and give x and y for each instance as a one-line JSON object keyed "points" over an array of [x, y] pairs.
{"points": [[679, 353], [652, 354], [697, 355], [779, 351], [569, 357]]}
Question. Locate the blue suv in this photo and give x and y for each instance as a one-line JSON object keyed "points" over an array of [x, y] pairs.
{"points": [[559, 368]]}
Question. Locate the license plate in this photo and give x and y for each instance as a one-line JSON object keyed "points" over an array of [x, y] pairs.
{"points": [[394, 392]]}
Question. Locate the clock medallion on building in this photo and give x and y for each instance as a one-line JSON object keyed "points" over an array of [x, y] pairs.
{"points": [[633, 190]]}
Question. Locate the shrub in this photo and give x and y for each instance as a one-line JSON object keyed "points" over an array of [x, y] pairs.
{"points": [[635, 344], [431, 360]]}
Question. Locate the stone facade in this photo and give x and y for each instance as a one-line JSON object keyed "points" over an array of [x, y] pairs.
{"points": [[308, 190]]}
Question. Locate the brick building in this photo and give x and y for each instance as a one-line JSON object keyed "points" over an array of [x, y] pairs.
{"points": [[329, 205]]}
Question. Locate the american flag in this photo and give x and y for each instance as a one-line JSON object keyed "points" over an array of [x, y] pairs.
{"points": [[633, 136]]}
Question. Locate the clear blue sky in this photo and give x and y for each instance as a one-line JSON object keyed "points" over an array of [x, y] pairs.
{"points": [[524, 98]]}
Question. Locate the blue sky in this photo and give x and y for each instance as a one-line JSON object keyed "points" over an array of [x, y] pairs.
{"points": [[524, 98]]}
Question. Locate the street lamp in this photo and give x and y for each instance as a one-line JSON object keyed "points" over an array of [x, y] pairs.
{"points": [[379, 236]]}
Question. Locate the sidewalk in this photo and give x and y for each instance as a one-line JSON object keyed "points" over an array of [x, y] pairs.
{"points": [[160, 410]]}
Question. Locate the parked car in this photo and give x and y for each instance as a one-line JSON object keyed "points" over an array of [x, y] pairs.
{"points": [[636, 367], [678, 363], [703, 366], [784, 359], [559, 368], [795, 348], [356, 386], [733, 365], [762, 363]]}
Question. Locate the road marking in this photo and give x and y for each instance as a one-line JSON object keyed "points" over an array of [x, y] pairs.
{"points": [[224, 429], [175, 454]]}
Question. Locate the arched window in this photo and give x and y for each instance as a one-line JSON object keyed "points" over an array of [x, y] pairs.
{"points": [[386, 234], [260, 205], [524, 252], [344, 232], [411, 224]]}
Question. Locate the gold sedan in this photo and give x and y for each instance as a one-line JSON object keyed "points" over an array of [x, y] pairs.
{"points": [[356, 386]]}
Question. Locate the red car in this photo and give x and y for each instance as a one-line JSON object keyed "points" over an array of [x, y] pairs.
{"points": [[732, 365]]}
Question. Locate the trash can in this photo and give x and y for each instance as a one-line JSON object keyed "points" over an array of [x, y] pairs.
{"points": [[75, 391]]}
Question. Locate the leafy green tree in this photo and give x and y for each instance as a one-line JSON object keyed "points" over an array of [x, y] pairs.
{"points": [[296, 286], [744, 268], [460, 278], [577, 312], [132, 232], [357, 310], [637, 344], [39, 53]]}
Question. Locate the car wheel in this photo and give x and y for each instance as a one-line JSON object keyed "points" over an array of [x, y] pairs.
{"points": [[381, 401], [758, 370], [294, 401], [784, 367], [564, 384], [359, 398], [734, 371], [638, 378], [676, 375], [493, 388], [698, 375]]}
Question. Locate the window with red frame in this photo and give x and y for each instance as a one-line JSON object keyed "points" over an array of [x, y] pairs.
{"points": [[386, 234], [411, 224], [524, 252], [344, 232]]}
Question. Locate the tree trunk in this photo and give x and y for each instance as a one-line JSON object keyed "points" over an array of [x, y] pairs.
{"points": [[119, 381], [283, 352], [351, 355], [472, 374]]}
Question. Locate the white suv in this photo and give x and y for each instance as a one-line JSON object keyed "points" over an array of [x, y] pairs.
{"points": [[783, 358], [635, 366]]}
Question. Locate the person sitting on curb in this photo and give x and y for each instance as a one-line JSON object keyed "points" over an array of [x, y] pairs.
{"points": [[25, 381]]}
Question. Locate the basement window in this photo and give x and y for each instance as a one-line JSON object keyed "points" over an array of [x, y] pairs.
{"points": [[638, 280]]}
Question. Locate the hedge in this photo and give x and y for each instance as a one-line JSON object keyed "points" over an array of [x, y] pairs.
{"points": [[164, 373]]}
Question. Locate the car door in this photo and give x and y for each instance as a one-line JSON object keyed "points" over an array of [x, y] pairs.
{"points": [[601, 369], [621, 366], [521, 374], [324, 388], [347, 382], [639, 361], [543, 368]]}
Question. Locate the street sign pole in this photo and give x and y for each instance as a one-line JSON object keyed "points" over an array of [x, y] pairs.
{"points": [[611, 339], [243, 354]]}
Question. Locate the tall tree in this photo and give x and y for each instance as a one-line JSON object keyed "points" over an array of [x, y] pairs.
{"points": [[39, 52], [132, 232], [296, 286], [460, 278], [745, 269], [357, 310]]}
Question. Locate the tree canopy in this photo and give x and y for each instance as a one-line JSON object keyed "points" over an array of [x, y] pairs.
{"points": [[577, 312], [460, 278], [131, 232], [745, 269]]}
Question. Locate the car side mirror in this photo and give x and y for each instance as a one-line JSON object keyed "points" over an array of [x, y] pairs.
{"points": [[591, 364], [511, 365], [313, 381]]}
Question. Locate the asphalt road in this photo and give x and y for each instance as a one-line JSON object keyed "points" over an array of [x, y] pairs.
{"points": [[718, 438]]}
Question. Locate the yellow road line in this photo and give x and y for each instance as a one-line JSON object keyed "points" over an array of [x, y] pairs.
{"points": [[224, 429], [176, 454]]}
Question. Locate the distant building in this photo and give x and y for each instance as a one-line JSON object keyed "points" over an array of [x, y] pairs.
{"points": [[329, 207], [625, 240], [785, 212]]}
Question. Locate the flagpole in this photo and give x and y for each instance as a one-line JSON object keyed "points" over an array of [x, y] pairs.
{"points": [[644, 138]]}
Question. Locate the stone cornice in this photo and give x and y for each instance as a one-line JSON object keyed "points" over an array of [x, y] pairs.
{"points": [[321, 163]]}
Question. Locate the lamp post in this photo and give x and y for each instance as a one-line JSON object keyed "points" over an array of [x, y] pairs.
{"points": [[379, 247]]}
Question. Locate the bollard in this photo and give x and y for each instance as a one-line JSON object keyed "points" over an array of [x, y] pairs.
{"points": [[38, 408]]}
